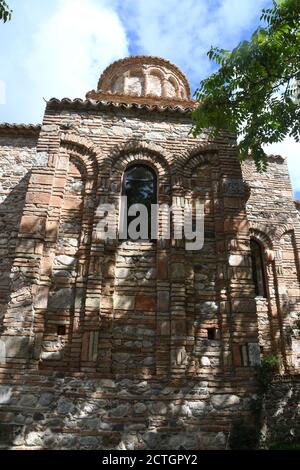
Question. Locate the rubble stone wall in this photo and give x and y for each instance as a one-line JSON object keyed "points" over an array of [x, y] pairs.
{"points": [[18, 157]]}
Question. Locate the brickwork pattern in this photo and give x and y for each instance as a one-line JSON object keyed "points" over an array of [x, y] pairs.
{"points": [[130, 345]]}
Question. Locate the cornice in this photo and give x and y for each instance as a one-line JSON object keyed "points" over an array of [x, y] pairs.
{"points": [[107, 101], [24, 130]]}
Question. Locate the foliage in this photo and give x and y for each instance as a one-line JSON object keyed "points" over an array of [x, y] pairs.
{"points": [[297, 323], [243, 436], [253, 92], [294, 329], [5, 12], [266, 371]]}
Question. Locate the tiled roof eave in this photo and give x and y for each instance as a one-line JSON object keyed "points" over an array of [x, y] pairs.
{"points": [[103, 104], [28, 130]]}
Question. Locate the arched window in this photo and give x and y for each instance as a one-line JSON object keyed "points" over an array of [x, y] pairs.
{"points": [[139, 187], [258, 269]]}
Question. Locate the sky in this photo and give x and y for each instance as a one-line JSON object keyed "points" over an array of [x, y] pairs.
{"points": [[58, 48]]}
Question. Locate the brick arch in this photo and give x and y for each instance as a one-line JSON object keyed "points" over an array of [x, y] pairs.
{"points": [[84, 150], [283, 230], [199, 154], [138, 152], [262, 237], [269, 231]]}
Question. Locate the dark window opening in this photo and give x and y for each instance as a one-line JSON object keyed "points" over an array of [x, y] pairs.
{"points": [[258, 269], [244, 355], [211, 333], [61, 330], [139, 187]]}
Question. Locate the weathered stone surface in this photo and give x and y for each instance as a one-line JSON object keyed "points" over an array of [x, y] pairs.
{"points": [[254, 354], [34, 439], [51, 356], [28, 401], [65, 406], [17, 346], [120, 411], [205, 361], [139, 408], [5, 394], [121, 357], [88, 443], [63, 298], [198, 408], [124, 302], [225, 401], [177, 271], [237, 260], [158, 408]]}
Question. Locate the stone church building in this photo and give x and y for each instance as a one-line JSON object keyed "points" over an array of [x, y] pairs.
{"points": [[134, 344]]}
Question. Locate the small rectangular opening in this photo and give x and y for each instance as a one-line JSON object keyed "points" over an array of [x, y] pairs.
{"points": [[211, 333], [61, 330]]}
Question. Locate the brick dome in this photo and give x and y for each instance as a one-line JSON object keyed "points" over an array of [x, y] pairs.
{"points": [[145, 76]]}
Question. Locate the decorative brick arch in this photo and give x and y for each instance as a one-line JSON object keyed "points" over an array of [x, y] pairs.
{"points": [[268, 231], [199, 154], [283, 230], [84, 150], [261, 237], [141, 152]]}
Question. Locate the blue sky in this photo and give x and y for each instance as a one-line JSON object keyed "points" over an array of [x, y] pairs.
{"points": [[60, 47]]}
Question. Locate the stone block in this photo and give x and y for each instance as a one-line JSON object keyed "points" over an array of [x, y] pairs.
{"points": [[32, 224], [34, 439], [28, 401], [38, 197], [17, 346], [52, 356], [92, 302], [238, 260], [62, 299], [5, 394], [163, 301], [41, 298], [50, 128], [198, 408], [163, 327], [254, 354], [124, 302], [43, 179], [121, 357], [177, 271], [121, 410], [65, 406], [46, 399], [224, 401]]}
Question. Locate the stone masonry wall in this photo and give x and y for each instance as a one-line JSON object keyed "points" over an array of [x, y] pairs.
{"points": [[136, 345], [273, 219], [18, 157]]}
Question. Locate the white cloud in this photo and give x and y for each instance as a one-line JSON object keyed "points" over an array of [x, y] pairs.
{"points": [[184, 31], [72, 47]]}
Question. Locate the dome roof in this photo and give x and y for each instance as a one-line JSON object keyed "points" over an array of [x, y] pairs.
{"points": [[144, 76]]}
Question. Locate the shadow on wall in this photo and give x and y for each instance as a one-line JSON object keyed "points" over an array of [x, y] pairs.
{"points": [[120, 409], [123, 411], [11, 209]]}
